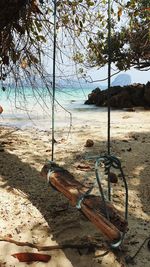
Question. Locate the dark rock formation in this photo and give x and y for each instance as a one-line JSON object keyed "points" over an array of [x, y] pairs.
{"points": [[135, 95], [147, 93]]}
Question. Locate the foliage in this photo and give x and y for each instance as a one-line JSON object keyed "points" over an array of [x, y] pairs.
{"points": [[87, 22], [23, 29], [26, 26], [130, 40]]}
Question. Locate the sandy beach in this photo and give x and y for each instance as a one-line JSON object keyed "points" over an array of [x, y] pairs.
{"points": [[32, 211]]}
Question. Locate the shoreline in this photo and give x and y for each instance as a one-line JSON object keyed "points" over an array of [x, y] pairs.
{"points": [[78, 116]]}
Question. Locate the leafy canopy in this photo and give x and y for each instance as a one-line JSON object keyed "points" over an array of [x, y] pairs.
{"points": [[27, 25]]}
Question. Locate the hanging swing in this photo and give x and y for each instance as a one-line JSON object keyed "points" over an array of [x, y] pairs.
{"points": [[98, 209]]}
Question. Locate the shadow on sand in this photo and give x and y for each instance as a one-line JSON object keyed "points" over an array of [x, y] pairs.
{"points": [[70, 224]]}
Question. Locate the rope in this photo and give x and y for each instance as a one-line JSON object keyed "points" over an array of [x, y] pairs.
{"points": [[83, 196], [109, 73], [113, 161], [109, 162], [54, 82], [98, 179], [108, 93], [130, 259]]}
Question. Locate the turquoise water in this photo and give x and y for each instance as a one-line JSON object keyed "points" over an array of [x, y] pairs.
{"points": [[63, 95], [33, 106]]}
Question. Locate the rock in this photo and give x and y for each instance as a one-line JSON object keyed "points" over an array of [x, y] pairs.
{"points": [[121, 100], [93, 96], [115, 90], [96, 90], [113, 178], [147, 93], [135, 95], [89, 143], [136, 92]]}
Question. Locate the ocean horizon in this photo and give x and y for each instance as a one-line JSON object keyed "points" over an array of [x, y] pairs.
{"points": [[32, 107]]}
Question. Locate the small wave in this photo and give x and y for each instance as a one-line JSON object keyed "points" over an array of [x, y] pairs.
{"points": [[78, 105]]}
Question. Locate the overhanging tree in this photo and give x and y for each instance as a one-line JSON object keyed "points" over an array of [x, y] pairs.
{"points": [[26, 26], [130, 40]]}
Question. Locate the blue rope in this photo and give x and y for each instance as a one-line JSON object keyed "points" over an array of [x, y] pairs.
{"points": [[83, 196], [108, 93], [54, 81], [109, 162]]}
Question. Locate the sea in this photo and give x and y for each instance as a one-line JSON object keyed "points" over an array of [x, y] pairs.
{"points": [[32, 107]]}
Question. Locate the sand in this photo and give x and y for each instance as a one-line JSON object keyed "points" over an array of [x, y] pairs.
{"points": [[32, 211]]}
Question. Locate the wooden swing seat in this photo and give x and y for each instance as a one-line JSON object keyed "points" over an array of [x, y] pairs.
{"points": [[92, 206]]}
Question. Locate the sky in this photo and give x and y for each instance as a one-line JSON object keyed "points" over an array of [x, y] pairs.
{"points": [[93, 75], [66, 68], [139, 76], [135, 75]]}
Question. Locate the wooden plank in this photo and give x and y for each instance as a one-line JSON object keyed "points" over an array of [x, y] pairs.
{"points": [[91, 206]]}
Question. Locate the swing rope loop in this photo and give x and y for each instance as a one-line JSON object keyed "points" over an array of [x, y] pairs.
{"points": [[111, 161]]}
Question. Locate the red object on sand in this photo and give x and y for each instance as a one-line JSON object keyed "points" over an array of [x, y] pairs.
{"points": [[1, 109], [29, 257]]}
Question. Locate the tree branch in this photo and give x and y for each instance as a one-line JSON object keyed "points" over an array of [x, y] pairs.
{"points": [[48, 248]]}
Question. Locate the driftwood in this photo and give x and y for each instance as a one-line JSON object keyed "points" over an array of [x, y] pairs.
{"points": [[52, 247], [91, 206]]}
